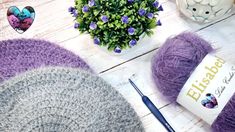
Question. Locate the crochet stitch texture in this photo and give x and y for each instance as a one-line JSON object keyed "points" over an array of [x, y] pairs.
{"points": [[64, 100], [19, 55]]}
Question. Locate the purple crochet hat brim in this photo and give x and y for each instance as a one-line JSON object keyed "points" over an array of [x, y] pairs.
{"points": [[19, 55]]}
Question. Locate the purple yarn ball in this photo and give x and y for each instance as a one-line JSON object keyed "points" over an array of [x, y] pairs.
{"points": [[20, 55], [173, 64], [175, 60], [225, 122]]}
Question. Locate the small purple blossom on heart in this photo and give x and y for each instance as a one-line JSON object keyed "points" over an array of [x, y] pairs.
{"points": [[125, 19], [131, 1], [150, 15], [76, 25], [85, 9], [131, 31], [117, 50], [132, 42], [142, 12], [93, 26], [104, 18], [160, 8], [156, 4], [91, 3], [96, 40], [158, 23]]}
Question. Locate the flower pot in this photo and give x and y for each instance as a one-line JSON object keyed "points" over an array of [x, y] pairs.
{"points": [[118, 25], [204, 11]]}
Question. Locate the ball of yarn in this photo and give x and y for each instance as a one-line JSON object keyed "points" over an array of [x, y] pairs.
{"points": [[173, 64], [20, 55]]}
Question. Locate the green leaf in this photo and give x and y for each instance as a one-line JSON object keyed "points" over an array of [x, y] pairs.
{"points": [[96, 12], [100, 23], [136, 6], [149, 32], [152, 24], [110, 25], [143, 5], [86, 14]]}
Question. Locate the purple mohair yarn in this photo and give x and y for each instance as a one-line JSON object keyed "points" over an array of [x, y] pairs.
{"points": [[173, 64], [20, 55]]}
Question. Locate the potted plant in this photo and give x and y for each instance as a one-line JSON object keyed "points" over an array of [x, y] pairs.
{"points": [[116, 25]]}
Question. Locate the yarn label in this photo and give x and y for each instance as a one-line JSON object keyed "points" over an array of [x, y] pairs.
{"points": [[209, 88]]}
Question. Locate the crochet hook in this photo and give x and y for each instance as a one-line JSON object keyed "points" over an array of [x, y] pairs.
{"points": [[153, 108]]}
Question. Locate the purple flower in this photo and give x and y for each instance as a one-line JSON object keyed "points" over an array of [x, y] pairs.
{"points": [[117, 50], [150, 15], [93, 26], [160, 8], [91, 3], [125, 19], [142, 12], [85, 9], [131, 1], [96, 40], [104, 18], [75, 13], [131, 31], [132, 42], [158, 23], [155, 4], [71, 9], [76, 25]]}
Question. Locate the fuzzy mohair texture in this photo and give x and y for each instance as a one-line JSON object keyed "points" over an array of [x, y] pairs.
{"points": [[173, 64], [19, 55], [56, 99]]}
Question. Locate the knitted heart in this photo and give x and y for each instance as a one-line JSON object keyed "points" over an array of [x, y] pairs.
{"points": [[210, 101], [20, 20]]}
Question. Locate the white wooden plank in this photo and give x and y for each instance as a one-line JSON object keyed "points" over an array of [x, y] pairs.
{"points": [[222, 36]]}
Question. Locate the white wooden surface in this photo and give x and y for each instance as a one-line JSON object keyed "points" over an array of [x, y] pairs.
{"points": [[55, 24]]}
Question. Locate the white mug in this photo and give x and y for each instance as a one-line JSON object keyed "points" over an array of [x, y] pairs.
{"points": [[204, 11]]}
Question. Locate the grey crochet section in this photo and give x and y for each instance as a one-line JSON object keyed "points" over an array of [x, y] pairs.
{"points": [[64, 100]]}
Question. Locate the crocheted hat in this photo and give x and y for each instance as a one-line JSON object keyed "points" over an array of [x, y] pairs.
{"points": [[19, 55], [63, 99]]}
